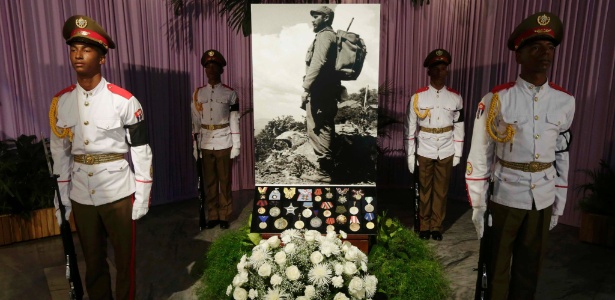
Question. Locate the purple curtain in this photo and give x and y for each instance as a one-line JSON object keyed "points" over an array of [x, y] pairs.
{"points": [[158, 53]]}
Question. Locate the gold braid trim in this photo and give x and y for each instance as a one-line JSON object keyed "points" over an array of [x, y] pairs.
{"points": [[494, 109], [427, 113], [53, 119], [198, 106]]}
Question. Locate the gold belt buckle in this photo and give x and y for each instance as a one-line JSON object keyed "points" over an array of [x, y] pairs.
{"points": [[534, 166], [89, 159]]}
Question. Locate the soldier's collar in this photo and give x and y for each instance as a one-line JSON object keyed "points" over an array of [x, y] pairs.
{"points": [[101, 85], [326, 28], [526, 86]]}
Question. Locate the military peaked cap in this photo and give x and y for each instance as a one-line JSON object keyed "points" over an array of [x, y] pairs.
{"points": [[84, 29], [213, 56], [542, 25], [437, 56]]}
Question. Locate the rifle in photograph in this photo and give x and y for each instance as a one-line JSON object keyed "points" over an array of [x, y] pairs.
{"points": [[201, 188], [484, 256], [72, 269]]}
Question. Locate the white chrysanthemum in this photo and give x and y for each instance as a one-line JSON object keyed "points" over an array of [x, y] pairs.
{"points": [[340, 296], [261, 245], [293, 273], [331, 235], [280, 258], [350, 268], [276, 279], [346, 246], [310, 291], [353, 254], [364, 267], [240, 278], [240, 294], [229, 289], [276, 294], [273, 242], [362, 257], [339, 269], [371, 284], [264, 270], [328, 248], [320, 274], [343, 234], [259, 256], [310, 235], [242, 263], [252, 293], [290, 248], [337, 281], [316, 257], [289, 234], [356, 288]]}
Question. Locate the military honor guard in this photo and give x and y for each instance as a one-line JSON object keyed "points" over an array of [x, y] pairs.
{"points": [[434, 118], [520, 141], [215, 119], [94, 124]]}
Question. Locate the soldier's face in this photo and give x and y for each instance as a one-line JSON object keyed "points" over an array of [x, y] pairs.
{"points": [[213, 71], [319, 21], [86, 59], [536, 56], [438, 72]]}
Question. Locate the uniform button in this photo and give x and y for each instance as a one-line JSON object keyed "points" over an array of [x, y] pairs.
{"points": [[90, 174], [86, 142], [531, 87], [537, 155], [537, 136], [535, 99], [86, 103], [532, 186], [86, 123], [93, 192], [536, 118]]}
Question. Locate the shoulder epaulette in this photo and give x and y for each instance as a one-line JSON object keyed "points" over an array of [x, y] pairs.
{"points": [[423, 89], [119, 91], [502, 87], [228, 87], [66, 90], [452, 90], [559, 88]]}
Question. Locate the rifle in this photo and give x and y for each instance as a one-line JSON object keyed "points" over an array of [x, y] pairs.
{"points": [[417, 200], [72, 269], [199, 173], [484, 255]]}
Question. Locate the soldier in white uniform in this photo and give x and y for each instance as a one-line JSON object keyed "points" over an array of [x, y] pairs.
{"points": [[94, 124], [435, 118], [520, 139], [215, 119]]}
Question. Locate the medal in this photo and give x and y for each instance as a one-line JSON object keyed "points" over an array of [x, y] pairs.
{"points": [[369, 207], [315, 222], [354, 210], [357, 194], [342, 195], [341, 219], [305, 195], [342, 199], [328, 195], [290, 209], [354, 223], [306, 213], [261, 203], [340, 209], [317, 198], [369, 225], [289, 193], [262, 189], [261, 210], [326, 213], [280, 223], [275, 195], [299, 224], [274, 211], [263, 223]]}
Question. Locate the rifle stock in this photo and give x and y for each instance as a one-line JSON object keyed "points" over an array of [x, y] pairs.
{"points": [[72, 269], [201, 189], [484, 257]]}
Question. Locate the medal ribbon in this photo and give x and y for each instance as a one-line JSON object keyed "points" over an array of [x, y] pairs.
{"points": [[318, 192], [330, 221], [369, 216], [261, 203], [354, 219], [342, 191], [262, 189], [263, 218], [326, 205], [308, 204]]}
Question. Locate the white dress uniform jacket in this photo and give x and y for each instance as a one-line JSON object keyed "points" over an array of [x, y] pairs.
{"points": [[541, 117], [445, 110], [97, 119], [212, 105]]}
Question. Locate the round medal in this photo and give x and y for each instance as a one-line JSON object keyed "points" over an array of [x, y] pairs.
{"points": [[280, 223], [355, 227], [330, 228], [369, 208], [274, 212], [326, 213], [315, 222], [329, 195], [262, 225], [370, 225], [299, 224], [341, 219], [354, 210], [306, 213], [317, 198], [261, 210]]}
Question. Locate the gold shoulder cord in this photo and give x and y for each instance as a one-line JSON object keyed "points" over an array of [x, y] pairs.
{"points": [[198, 106], [53, 119], [509, 132], [427, 113]]}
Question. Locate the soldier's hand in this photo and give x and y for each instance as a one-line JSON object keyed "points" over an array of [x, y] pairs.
{"points": [[411, 159], [456, 160], [553, 221], [304, 100], [234, 152], [66, 215], [478, 218], [139, 210]]}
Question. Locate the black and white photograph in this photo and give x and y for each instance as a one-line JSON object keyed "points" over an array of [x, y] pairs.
{"points": [[315, 70]]}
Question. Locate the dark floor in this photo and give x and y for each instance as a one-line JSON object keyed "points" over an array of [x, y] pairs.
{"points": [[170, 251]]}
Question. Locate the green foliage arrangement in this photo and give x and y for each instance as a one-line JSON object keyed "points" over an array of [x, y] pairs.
{"points": [[598, 193], [405, 266], [24, 176]]}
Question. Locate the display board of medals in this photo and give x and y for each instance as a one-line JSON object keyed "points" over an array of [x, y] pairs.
{"points": [[351, 209]]}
